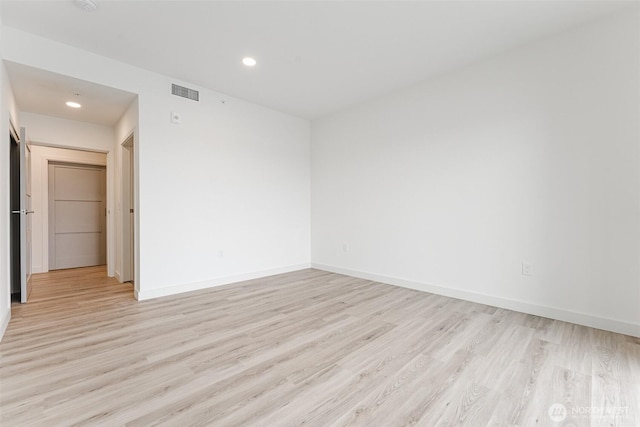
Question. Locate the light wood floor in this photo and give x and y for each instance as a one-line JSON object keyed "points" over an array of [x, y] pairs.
{"points": [[308, 347]]}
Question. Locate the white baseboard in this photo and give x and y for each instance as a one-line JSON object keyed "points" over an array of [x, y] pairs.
{"points": [[117, 275], [4, 322], [556, 313], [188, 287]]}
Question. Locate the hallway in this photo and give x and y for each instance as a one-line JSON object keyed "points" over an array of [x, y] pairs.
{"points": [[75, 290]]}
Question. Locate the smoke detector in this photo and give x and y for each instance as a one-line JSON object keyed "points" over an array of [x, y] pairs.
{"points": [[87, 5]]}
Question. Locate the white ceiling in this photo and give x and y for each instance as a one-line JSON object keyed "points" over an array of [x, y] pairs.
{"points": [[43, 92], [314, 57]]}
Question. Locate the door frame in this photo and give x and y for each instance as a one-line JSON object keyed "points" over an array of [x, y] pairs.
{"points": [[128, 213], [20, 209], [46, 158]]}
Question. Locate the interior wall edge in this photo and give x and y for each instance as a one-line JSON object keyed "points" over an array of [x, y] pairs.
{"points": [[555, 313], [4, 323], [66, 147], [142, 295]]}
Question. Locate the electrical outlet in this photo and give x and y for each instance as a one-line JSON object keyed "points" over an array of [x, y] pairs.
{"points": [[220, 254], [526, 269], [345, 247]]}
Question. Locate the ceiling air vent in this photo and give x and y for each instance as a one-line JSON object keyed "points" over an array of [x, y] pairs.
{"points": [[185, 92]]}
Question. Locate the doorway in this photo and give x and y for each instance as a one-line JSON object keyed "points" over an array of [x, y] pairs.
{"points": [[77, 215], [14, 167], [20, 208], [128, 211]]}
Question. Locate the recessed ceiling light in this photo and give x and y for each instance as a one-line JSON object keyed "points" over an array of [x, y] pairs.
{"points": [[87, 5], [73, 104], [249, 61]]}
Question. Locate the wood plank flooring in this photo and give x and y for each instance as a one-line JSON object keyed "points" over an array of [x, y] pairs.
{"points": [[303, 348]]}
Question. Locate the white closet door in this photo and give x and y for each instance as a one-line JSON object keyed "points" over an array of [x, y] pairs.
{"points": [[77, 216]]}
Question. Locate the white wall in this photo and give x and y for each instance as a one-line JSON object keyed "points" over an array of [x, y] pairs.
{"points": [[40, 158], [64, 133], [234, 177], [531, 156], [226, 193]]}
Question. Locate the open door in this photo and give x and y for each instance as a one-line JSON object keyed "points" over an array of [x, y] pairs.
{"points": [[20, 215]]}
